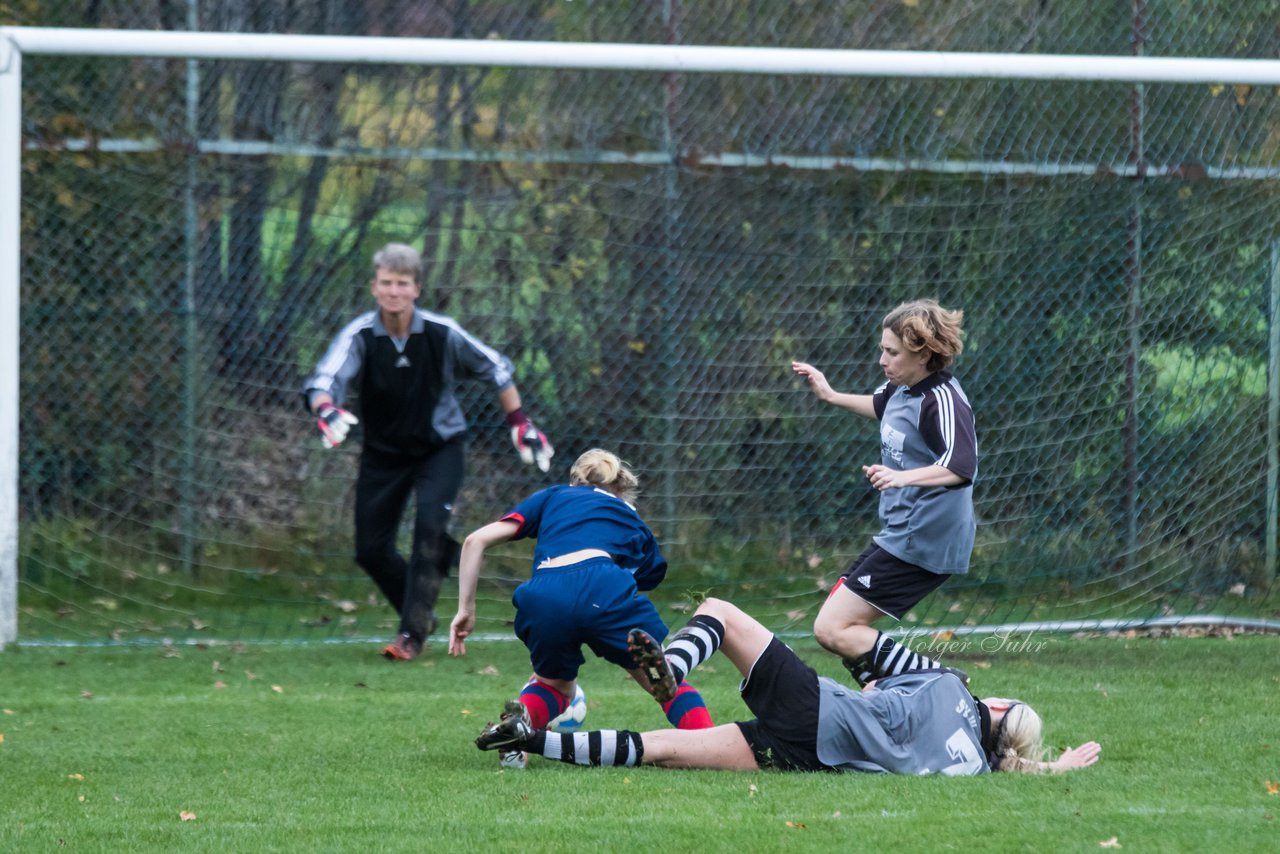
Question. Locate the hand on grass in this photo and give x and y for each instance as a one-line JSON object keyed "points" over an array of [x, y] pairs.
{"points": [[461, 626], [1077, 757]]}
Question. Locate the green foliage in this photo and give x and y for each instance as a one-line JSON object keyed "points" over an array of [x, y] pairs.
{"points": [[272, 748], [651, 298]]}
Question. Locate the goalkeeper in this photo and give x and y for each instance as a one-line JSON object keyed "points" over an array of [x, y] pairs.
{"points": [[405, 364]]}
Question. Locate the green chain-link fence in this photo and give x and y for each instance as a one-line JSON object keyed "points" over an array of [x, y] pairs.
{"points": [[652, 250]]}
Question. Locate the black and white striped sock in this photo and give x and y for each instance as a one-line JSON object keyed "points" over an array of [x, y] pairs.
{"points": [[889, 658], [608, 747], [693, 644]]}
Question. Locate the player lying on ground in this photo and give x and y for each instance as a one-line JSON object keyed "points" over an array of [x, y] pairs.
{"points": [[593, 556], [920, 722]]}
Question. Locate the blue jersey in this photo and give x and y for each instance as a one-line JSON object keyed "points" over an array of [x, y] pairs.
{"points": [[567, 519]]}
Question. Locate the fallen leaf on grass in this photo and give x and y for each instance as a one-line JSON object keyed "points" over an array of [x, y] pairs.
{"points": [[944, 635], [7, 711], [1, 738], [799, 825], [1109, 843], [187, 815], [250, 675], [86, 695], [277, 689], [626, 781], [488, 670], [75, 776], [1273, 788], [752, 791], [219, 684], [467, 712], [797, 615]]}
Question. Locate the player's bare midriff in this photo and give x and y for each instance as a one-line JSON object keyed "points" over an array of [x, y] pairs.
{"points": [[572, 557]]}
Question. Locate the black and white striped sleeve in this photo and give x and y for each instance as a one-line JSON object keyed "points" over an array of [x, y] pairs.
{"points": [[946, 425]]}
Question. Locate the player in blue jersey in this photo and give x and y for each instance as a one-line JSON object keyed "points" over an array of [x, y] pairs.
{"points": [[928, 463], [593, 556], [918, 722]]}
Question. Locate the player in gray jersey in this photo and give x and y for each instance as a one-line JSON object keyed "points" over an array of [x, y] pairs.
{"points": [[919, 722], [928, 463]]}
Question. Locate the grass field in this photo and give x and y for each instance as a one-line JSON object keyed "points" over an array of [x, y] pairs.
{"points": [[331, 748]]}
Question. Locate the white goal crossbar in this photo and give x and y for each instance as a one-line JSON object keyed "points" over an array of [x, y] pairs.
{"points": [[17, 41]]}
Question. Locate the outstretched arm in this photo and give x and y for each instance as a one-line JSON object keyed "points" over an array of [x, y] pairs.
{"points": [[472, 558], [860, 404]]}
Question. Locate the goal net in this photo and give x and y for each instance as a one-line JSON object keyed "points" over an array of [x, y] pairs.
{"points": [[652, 248]]}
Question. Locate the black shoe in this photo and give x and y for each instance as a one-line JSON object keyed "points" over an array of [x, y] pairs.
{"points": [[510, 733], [649, 658], [860, 669]]}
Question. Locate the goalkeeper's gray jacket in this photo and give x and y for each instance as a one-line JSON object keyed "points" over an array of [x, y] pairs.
{"points": [[407, 387], [922, 722]]}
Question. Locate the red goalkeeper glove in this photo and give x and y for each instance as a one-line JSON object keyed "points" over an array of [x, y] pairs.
{"points": [[334, 424], [531, 443]]}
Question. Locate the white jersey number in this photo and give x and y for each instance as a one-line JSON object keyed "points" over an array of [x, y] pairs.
{"points": [[968, 755]]}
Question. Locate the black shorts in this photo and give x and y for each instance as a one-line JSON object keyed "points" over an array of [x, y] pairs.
{"points": [[887, 582], [782, 692]]}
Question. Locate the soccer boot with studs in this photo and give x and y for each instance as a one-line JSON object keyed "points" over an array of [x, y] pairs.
{"points": [[649, 658], [510, 733]]}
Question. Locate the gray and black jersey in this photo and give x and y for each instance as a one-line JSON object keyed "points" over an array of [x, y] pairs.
{"points": [[929, 423], [407, 387], [921, 722]]}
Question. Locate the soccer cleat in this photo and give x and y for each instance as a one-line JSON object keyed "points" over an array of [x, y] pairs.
{"points": [[859, 668], [404, 648], [510, 733], [649, 658]]}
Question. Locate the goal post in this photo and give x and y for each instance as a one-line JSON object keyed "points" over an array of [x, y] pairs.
{"points": [[10, 239], [15, 42]]}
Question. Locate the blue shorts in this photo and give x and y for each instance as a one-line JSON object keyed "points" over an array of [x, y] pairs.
{"points": [[594, 602]]}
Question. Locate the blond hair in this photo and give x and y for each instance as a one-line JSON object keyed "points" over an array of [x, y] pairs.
{"points": [[598, 467], [1019, 740], [923, 325]]}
